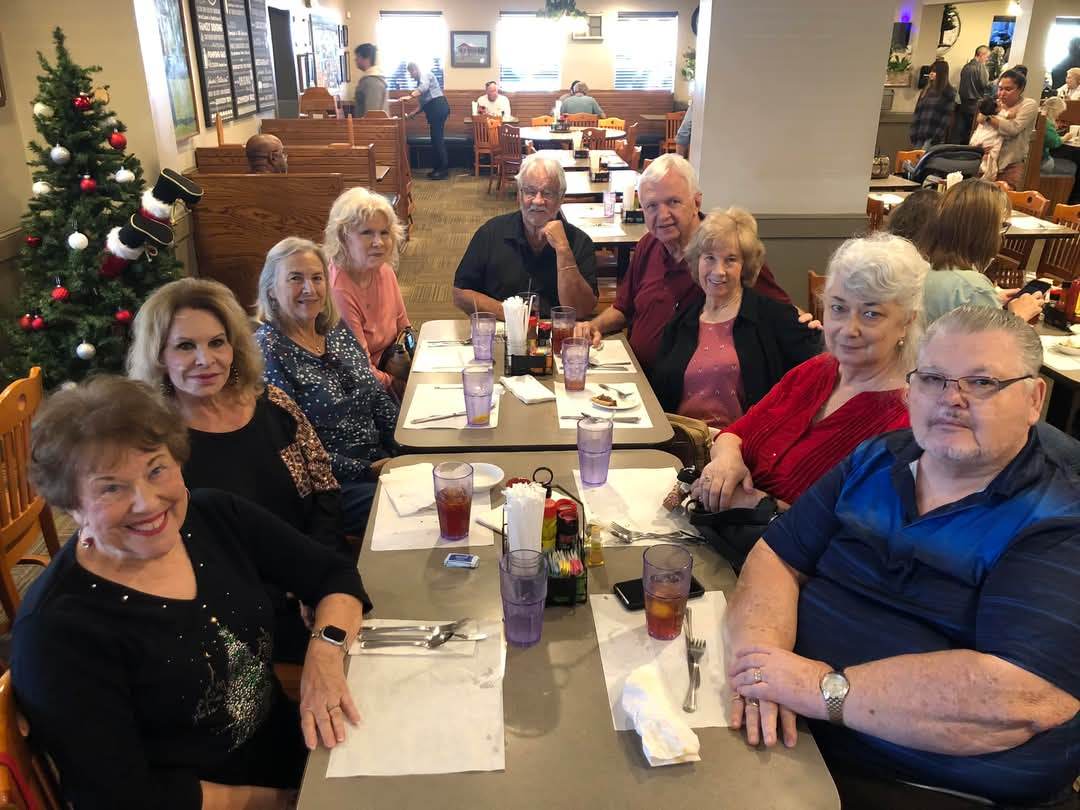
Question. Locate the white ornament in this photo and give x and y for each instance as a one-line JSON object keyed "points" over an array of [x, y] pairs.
{"points": [[85, 351], [78, 241], [59, 155], [40, 187], [67, 385], [125, 176], [111, 122], [42, 110]]}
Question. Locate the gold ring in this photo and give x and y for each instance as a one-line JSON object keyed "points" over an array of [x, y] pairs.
{"points": [[752, 702]]}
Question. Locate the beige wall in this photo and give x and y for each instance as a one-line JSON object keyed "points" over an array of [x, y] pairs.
{"points": [[591, 62]]}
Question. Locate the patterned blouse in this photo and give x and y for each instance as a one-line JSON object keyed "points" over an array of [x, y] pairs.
{"points": [[352, 413]]}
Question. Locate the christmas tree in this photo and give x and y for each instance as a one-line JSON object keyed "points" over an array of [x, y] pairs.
{"points": [[93, 251]]}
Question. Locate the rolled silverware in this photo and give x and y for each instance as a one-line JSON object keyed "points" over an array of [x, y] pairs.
{"points": [[438, 418]]}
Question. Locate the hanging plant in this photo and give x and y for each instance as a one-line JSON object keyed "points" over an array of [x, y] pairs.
{"points": [[558, 9], [898, 63], [689, 64]]}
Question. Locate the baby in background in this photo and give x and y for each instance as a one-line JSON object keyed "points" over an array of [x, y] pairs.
{"points": [[987, 136]]}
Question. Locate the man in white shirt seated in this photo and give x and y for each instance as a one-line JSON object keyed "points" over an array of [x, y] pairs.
{"points": [[1071, 89], [493, 102]]}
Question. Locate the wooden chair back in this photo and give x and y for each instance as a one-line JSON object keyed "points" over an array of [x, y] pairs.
{"points": [[907, 154], [355, 163], [815, 295], [635, 159], [542, 121], [1035, 151], [1005, 272], [509, 157], [27, 779], [582, 119], [318, 101], [875, 214], [485, 140], [672, 122], [1061, 257], [24, 515], [1072, 113], [631, 135], [611, 123], [646, 163], [596, 138], [242, 216], [1026, 202]]}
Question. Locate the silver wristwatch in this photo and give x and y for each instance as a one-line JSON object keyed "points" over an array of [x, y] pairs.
{"points": [[834, 689]]}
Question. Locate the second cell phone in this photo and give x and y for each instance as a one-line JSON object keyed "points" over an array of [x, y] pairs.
{"points": [[631, 592]]}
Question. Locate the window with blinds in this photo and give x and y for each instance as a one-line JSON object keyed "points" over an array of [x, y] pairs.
{"points": [[645, 50], [530, 52], [411, 36]]}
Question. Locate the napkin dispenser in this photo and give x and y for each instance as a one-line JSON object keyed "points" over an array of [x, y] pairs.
{"points": [[538, 363], [581, 154], [631, 215]]}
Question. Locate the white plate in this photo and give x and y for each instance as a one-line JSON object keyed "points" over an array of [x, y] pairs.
{"points": [[485, 476], [1067, 349], [621, 404]]}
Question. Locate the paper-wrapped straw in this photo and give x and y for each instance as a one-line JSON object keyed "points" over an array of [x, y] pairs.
{"points": [[558, 109], [524, 515], [516, 315]]}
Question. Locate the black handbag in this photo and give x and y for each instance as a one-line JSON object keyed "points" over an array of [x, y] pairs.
{"points": [[733, 532]]}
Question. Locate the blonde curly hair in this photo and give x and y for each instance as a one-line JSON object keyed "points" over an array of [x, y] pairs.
{"points": [[723, 226], [354, 208]]}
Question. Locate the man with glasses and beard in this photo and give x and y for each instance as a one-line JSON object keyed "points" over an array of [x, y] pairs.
{"points": [[918, 604], [533, 248]]}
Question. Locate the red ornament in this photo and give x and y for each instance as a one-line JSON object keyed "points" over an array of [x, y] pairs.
{"points": [[117, 140], [37, 323], [88, 184], [25, 323], [82, 102], [33, 241], [60, 293], [124, 316]]}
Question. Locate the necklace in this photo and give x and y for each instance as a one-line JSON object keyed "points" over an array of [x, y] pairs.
{"points": [[317, 347]]}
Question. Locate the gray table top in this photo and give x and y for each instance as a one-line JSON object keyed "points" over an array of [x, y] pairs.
{"points": [[521, 426], [566, 159], [1059, 365], [579, 186], [590, 216], [893, 183], [545, 133], [561, 750]]}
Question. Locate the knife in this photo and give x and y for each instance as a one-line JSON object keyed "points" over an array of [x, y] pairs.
{"points": [[419, 636], [688, 633], [630, 420], [436, 418]]}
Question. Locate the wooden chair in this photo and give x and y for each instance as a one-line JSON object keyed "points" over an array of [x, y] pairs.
{"points": [[635, 159], [542, 121], [318, 101], [1027, 202], [875, 214], [485, 140], [582, 119], [596, 138], [815, 293], [611, 123], [23, 514], [672, 122], [508, 161], [910, 154], [27, 779], [645, 165], [1005, 272], [1061, 257]]}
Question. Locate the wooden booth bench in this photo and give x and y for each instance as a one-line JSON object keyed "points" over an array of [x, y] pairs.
{"points": [[242, 216], [355, 163]]}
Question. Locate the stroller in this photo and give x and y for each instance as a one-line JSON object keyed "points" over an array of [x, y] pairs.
{"points": [[945, 158]]}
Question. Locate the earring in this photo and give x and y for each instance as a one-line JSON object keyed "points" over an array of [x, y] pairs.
{"points": [[86, 542], [234, 376], [274, 307], [900, 343], [167, 387]]}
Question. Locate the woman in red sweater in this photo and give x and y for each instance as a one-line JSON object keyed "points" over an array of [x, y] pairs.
{"points": [[822, 409]]}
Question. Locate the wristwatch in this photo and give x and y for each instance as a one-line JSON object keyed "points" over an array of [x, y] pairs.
{"points": [[834, 689], [332, 635]]}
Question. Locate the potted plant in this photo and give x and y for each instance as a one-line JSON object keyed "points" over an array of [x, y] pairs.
{"points": [[898, 69], [689, 64]]}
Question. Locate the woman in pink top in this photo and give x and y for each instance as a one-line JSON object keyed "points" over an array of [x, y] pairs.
{"points": [[362, 238]]}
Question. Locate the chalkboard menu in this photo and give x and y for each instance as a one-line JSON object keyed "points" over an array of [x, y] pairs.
{"points": [[265, 93], [240, 62], [210, 42]]}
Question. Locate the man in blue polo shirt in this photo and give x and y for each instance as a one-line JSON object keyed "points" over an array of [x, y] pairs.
{"points": [[919, 605]]}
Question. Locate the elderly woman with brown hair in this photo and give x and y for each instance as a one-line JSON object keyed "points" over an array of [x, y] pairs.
{"points": [[311, 355], [361, 244], [962, 241], [142, 655], [724, 352]]}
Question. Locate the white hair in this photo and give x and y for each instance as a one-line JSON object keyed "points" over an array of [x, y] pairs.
{"points": [[550, 168], [970, 320], [668, 164]]}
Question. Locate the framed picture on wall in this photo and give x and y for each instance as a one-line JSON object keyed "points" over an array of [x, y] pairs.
{"points": [[181, 88], [470, 49]]}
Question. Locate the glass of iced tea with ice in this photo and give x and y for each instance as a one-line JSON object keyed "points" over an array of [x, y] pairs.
{"points": [[562, 326], [453, 498], [666, 577]]}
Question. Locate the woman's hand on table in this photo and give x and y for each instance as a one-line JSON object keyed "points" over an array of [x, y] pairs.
{"points": [[721, 478], [325, 702]]}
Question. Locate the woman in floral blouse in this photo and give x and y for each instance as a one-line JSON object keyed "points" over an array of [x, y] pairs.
{"points": [[314, 358]]}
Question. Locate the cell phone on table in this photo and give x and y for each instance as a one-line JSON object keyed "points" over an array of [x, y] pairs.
{"points": [[632, 592], [1035, 286]]}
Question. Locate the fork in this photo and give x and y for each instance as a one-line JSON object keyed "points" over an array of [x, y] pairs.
{"points": [[417, 628], [429, 643], [616, 391], [630, 535], [695, 649]]}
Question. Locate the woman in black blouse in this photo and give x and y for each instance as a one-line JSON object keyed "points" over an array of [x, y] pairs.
{"points": [[142, 655], [193, 340]]}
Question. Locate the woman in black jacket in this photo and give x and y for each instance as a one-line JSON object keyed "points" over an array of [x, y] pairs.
{"points": [[723, 353]]}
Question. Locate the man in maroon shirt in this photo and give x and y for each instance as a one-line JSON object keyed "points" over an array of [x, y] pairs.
{"points": [[658, 282]]}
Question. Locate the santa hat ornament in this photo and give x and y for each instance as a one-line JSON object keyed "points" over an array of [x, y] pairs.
{"points": [[158, 202], [127, 243]]}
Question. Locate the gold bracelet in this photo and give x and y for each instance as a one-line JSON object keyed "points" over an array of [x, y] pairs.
{"points": [[566, 267]]}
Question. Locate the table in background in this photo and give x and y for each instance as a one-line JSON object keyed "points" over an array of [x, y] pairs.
{"points": [[653, 116], [507, 119], [590, 218], [561, 749], [1064, 396], [569, 163], [893, 182], [579, 188], [521, 426], [545, 134]]}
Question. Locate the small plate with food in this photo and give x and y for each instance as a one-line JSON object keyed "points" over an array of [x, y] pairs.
{"points": [[1070, 345], [609, 402]]}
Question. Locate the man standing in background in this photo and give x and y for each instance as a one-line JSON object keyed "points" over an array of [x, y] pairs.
{"points": [[974, 81], [371, 84]]}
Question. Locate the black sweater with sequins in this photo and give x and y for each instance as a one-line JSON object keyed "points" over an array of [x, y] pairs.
{"points": [[139, 697]]}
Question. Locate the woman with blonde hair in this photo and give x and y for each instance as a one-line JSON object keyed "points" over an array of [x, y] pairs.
{"points": [[361, 243], [312, 356], [723, 353], [963, 240], [1052, 109]]}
